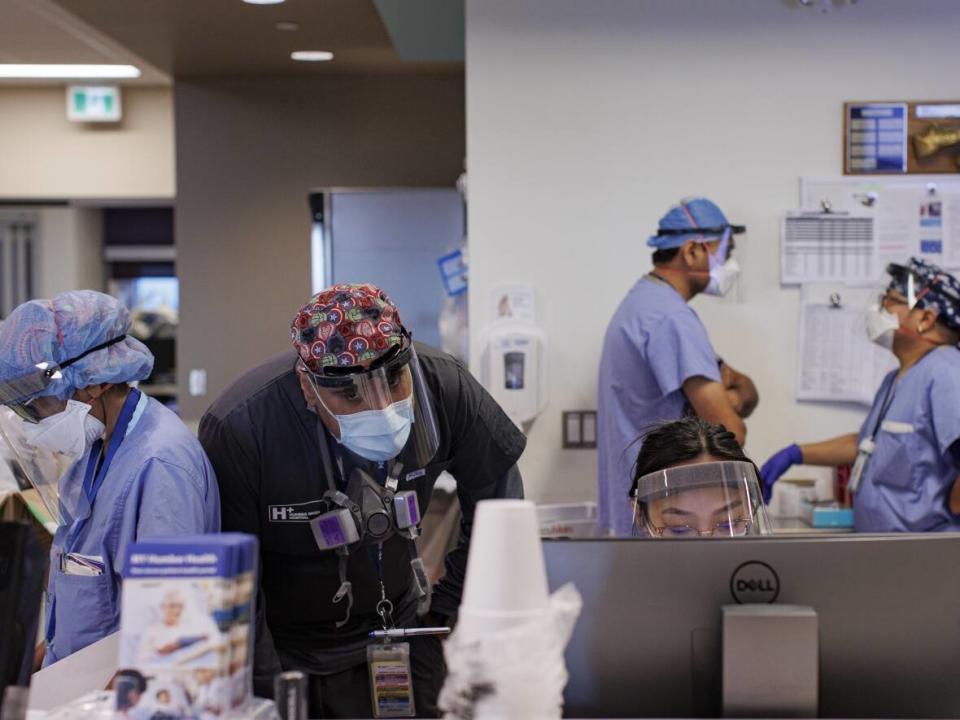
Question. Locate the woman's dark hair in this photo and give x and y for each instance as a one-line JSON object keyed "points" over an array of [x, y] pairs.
{"points": [[683, 440]]}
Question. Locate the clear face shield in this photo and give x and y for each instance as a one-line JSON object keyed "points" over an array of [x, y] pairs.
{"points": [[24, 406], [382, 411], [715, 499], [20, 394], [913, 286], [905, 291], [34, 468], [725, 254], [25, 394]]}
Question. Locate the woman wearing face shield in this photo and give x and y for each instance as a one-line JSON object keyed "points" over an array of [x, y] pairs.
{"points": [[133, 471], [906, 456], [692, 479]]}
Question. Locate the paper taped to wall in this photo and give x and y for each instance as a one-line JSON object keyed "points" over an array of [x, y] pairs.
{"points": [[917, 216], [837, 361]]}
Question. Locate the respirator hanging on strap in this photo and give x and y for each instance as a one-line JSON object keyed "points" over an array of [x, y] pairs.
{"points": [[366, 514]]}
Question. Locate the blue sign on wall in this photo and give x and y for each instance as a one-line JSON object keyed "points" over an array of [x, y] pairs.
{"points": [[877, 138]]}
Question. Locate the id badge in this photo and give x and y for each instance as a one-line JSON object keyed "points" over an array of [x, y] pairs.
{"points": [[863, 457], [391, 682]]}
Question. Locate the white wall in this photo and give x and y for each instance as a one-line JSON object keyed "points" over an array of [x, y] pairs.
{"points": [[587, 120], [46, 156]]}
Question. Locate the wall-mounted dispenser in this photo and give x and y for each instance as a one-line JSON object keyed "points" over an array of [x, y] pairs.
{"points": [[514, 356]]}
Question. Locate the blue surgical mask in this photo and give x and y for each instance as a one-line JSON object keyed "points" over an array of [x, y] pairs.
{"points": [[377, 435]]}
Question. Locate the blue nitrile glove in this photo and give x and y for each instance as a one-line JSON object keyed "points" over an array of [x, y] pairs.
{"points": [[776, 466]]}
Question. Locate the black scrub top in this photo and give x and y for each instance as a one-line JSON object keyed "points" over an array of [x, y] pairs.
{"points": [[263, 443]]}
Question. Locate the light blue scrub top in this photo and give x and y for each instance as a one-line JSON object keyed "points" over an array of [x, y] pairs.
{"points": [[159, 484], [906, 484], [654, 343]]}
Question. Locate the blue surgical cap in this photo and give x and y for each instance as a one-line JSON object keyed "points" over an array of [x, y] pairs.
{"points": [[691, 213], [64, 327]]}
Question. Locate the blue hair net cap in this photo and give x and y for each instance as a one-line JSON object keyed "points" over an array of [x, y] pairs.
{"points": [[64, 327], [691, 213]]}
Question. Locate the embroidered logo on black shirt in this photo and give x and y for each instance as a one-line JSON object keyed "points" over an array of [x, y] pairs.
{"points": [[296, 512]]}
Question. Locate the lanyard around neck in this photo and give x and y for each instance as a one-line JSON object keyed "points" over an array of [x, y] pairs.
{"points": [[890, 394], [884, 407], [96, 471]]}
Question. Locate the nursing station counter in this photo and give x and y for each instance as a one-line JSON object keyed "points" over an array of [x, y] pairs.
{"points": [[803, 625]]}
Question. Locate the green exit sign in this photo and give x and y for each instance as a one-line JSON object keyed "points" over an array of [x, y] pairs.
{"points": [[93, 103]]}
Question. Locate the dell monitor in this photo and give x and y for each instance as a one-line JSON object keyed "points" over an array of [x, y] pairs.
{"points": [[648, 641]]}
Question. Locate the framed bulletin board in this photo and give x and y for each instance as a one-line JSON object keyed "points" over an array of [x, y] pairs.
{"points": [[901, 137]]}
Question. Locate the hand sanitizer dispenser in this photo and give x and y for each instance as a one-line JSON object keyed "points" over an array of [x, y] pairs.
{"points": [[513, 368]]}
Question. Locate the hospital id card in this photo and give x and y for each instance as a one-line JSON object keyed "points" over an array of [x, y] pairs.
{"points": [[391, 681]]}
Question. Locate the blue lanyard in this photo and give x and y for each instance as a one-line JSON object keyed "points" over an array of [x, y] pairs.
{"points": [[92, 481], [93, 478]]}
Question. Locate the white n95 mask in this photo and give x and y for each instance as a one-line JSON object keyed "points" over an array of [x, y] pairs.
{"points": [[70, 432], [377, 435], [881, 325], [722, 278]]}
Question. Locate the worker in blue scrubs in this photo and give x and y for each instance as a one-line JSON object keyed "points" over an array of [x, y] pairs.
{"points": [[657, 363], [134, 471], [906, 457]]}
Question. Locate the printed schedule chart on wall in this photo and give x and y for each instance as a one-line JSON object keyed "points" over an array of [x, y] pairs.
{"points": [[827, 247], [837, 361], [837, 247]]}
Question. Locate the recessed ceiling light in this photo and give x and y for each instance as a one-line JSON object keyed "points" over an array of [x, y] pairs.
{"points": [[312, 55], [263, 2], [86, 72], [287, 26]]}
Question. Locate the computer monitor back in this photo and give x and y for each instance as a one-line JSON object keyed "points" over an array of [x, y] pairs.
{"points": [[648, 642]]}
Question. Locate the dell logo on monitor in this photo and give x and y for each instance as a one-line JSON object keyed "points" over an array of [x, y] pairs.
{"points": [[754, 582]]}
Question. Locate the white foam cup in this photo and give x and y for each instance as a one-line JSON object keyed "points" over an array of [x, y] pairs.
{"points": [[506, 581]]}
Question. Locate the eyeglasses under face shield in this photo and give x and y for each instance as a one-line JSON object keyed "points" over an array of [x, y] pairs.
{"points": [[394, 377], [25, 394], [914, 287], [703, 500]]}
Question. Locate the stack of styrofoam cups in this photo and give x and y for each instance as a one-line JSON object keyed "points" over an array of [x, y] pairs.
{"points": [[506, 583], [505, 658]]}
